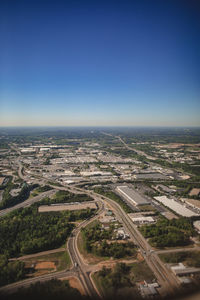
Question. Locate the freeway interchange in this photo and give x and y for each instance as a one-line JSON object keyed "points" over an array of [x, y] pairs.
{"points": [[82, 271], [167, 280]]}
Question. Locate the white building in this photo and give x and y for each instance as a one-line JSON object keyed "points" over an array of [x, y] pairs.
{"points": [[197, 225], [175, 206], [143, 220]]}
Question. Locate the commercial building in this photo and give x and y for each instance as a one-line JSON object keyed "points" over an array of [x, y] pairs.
{"points": [[148, 290], [192, 202], [161, 187], [194, 192], [143, 220], [132, 196], [181, 270], [176, 206], [197, 225], [150, 176], [67, 206]]}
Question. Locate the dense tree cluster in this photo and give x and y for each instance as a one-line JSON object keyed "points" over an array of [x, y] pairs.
{"points": [[191, 258], [169, 233], [95, 239], [26, 231], [67, 197], [10, 271], [51, 290], [42, 189], [119, 277], [9, 200]]}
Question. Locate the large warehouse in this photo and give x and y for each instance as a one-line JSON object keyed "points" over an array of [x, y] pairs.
{"points": [[175, 206], [132, 196]]}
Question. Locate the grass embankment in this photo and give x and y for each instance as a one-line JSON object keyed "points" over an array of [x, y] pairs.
{"points": [[110, 194]]}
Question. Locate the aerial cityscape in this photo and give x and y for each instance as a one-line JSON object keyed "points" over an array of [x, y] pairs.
{"points": [[99, 150], [111, 210]]}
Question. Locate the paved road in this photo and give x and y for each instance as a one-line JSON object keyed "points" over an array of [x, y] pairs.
{"points": [[38, 254], [166, 278], [137, 151], [27, 202], [196, 248], [79, 269], [10, 288]]}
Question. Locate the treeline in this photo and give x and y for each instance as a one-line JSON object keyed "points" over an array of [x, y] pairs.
{"points": [[195, 170], [116, 278], [65, 196], [9, 200], [191, 258], [26, 231], [95, 242], [11, 271], [51, 290], [110, 194], [42, 189], [169, 233]]}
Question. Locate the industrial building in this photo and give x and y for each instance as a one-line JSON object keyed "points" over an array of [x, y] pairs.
{"points": [[68, 206], [176, 206], [197, 225], [143, 220], [192, 202], [148, 290], [181, 270], [131, 196]]}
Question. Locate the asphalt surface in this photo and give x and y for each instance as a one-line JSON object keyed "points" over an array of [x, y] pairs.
{"points": [[165, 277], [27, 202]]}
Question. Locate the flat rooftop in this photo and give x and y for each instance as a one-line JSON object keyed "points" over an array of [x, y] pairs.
{"points": [[131, 195], [67, 206], [175, 206]]}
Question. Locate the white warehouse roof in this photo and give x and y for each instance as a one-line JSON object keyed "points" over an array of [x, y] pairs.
{"points": [[131, 195], [175, 206]]}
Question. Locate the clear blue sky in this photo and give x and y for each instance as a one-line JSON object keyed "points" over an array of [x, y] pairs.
{"points": [[100, 63]]}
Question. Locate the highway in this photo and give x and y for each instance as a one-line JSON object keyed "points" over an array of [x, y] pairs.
{"points": [[137, 151], [27, 202], [78, 263], [165, 277], [79, 269], [10, 288]]}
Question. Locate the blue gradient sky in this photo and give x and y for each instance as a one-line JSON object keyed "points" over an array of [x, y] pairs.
{"points": [[100, 63]]}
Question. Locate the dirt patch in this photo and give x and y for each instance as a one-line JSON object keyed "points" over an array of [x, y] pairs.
{"points": [[75, 283], [112, 263], [140, 257], [45, 265], [117, 241]]}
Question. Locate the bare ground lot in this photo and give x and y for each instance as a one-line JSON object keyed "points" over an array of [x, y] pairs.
{"points": [[75, 283], [47, 263]]}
